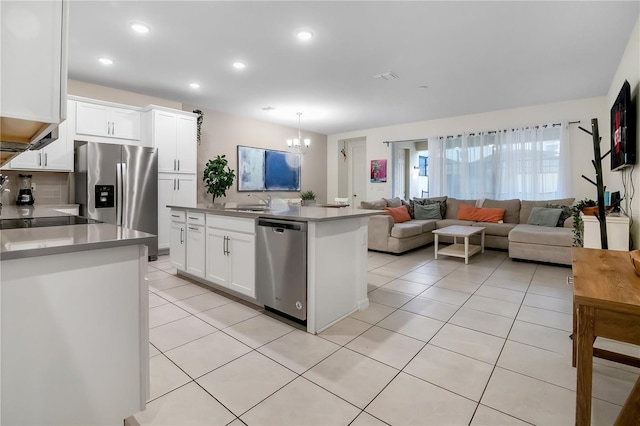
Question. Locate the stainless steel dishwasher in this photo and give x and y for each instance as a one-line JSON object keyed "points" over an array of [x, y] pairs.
{"points": [[281, 267]]}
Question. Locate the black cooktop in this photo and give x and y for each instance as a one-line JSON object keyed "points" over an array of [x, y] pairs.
{"points": [[42, 222]]}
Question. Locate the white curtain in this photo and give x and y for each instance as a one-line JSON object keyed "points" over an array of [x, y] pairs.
{"points": [[530, 163]]}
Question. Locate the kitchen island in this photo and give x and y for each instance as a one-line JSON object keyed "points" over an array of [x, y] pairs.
{"points": [[217, 246], [74, 321]]}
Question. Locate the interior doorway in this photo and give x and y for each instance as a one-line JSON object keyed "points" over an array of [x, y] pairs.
{"points": [[352, 170], [410, 169]]}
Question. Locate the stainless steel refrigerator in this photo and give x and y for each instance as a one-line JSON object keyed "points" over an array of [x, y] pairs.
{"points": [[118, 184]]}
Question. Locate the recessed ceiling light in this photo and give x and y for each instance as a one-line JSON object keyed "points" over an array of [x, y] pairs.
{"points": [[268, 108], [304, 35], [140, 27], [239, 65], [194, 85], [105, 61]]}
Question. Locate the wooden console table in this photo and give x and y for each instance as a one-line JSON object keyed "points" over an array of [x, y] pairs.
{"points": [[606, 303]]}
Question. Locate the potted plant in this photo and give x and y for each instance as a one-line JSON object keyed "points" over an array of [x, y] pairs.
{"points": [[578, 224], [308, 198], [216, 178]]}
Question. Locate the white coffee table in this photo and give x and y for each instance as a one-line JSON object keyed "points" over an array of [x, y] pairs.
{"points": [[459, 250]]}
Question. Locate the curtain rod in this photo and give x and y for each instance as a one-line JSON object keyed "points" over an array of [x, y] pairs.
{"points": [[473, 134], [406, 140]]}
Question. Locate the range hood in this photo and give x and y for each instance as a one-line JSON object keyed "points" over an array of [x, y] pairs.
{"points": [[17, 136]]}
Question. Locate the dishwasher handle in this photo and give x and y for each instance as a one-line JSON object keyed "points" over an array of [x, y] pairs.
{"points": [[279, 226]]}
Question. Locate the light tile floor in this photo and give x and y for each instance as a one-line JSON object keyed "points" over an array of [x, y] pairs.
{"points": [[442, 343]]}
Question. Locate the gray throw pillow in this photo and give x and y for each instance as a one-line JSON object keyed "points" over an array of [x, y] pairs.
{"points": [[430, 211], [393, 202], [566, 213], [427, 201], [543, 216]]}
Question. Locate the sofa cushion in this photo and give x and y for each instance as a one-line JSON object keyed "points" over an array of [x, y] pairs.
{"points": [[428, 225], [511, 208], [430, 211], [542, 235], [526, 206], [496, 229], [450, 222], [543, 216], [452, 207], [393, 202], [399, 214], [406, 229], [373, 205]]}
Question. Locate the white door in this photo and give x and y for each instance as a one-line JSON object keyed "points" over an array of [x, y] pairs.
{"points": [[92, 119], [59, 156], [178, 245], [164, 135], [399, 168], [358, 172], [196, 250], [217, 262], [125, 123], [242, 254], [186, 191], [186, 143]]}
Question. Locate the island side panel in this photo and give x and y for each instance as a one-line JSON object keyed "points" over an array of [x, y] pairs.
{"points": [[72, 338], [337, 271]]}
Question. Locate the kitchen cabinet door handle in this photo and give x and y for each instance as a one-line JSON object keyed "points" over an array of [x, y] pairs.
{"points": [[39, 159], [181, 235], [175, 215], [194, 229], [178, 184], [174, 164], [45, 159], [174, 184], [178, 165], [224, 246], [113, 128], [228, 252]]}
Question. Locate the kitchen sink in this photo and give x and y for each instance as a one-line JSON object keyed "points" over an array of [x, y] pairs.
{"points": [[249, 208]]}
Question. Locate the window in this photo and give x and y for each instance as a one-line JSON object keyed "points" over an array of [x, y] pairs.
{"points": [[422, 165], [530, 164]]}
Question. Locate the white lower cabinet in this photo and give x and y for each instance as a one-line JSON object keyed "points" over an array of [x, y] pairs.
{"points": [[177, 236], [230, 256]]}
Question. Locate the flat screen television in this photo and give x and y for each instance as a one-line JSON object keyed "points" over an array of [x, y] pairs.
{"points": [[623, 130]]}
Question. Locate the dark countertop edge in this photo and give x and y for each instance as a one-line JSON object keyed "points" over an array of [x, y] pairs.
{"points": [[46, 251], [254, 215]]}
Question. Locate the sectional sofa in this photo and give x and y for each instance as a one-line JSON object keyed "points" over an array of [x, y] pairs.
{"points": [[522, 240]]}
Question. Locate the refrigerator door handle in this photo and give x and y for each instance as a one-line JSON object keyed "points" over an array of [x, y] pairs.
{"points": [[124, 206], [119, 195]]}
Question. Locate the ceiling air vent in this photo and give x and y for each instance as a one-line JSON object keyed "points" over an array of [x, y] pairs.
{"points": [[387, 76]]}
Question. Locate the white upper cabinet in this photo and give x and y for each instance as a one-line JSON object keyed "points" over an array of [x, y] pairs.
{"points": [[174, 134], [107, 121], [33, 68]]}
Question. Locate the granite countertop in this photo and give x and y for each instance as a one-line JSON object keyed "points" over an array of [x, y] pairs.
{"points": [[284, 211], [21, 212], [30, 242]]}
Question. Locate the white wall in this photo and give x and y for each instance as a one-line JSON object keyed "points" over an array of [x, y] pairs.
{"points": [[629, 69], [582, 151], [222, 133]]}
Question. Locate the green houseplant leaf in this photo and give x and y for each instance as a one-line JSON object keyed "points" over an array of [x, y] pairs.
{"points": [[308, 195], [217, 178]]}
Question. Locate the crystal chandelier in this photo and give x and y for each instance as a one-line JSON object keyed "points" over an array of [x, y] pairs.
{"points": [[298, 144]]}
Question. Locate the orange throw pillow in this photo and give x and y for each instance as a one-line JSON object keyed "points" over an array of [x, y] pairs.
{"points": [[489, 214], [466, 212], [480, 214], [399, 214]]}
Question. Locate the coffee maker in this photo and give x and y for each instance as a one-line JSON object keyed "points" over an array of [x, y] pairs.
{"points": [[25, 193]]}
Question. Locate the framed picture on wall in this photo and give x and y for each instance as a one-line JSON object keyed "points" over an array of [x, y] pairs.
{"points": [[267, 170], [378, 171]]}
